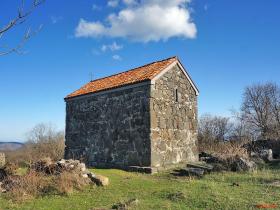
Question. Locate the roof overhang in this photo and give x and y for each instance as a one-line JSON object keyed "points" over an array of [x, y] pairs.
{"points": [[128, 86]]}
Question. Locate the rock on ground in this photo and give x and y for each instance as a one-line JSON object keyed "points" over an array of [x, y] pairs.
{"points": [[235, 163], [75, 166], [242, 164], [99, 179]]}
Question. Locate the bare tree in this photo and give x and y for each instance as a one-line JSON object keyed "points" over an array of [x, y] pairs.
{"points": [[214, 128], [275, 106], [260, 108], [21, 17], [43, 141], [242, 131]]}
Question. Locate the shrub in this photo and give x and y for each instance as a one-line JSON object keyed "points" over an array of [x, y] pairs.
{"points": [[226, 150], [28, 186], [34, 184], [66, 182], [43, 141]]}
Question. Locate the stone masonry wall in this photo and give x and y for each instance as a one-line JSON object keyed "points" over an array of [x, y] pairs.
{"points": [[173, 124], [111, 129]]}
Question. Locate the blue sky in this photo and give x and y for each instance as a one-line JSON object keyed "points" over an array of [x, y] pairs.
{"points": [[225, 45]]}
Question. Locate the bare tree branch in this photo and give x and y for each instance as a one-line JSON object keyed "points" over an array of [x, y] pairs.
{"points": [[28, 34], [19, 19], [260, 108]]}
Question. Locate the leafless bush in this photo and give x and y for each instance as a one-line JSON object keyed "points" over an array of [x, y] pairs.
{"points": [[225, 150], [20, 18], [25, 187], [222, 137], [213, 129], [69, 181], [43, 141], [34, 184]]}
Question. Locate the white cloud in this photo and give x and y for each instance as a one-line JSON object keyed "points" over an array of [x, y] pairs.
{"points": [[113, 47], [87, 29], [117, 57], [96, 7], [113, 3], [147, 20], [129, 2]]}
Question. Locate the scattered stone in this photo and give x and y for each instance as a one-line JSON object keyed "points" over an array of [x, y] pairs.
{"points": [[266, 154], [188, 172], [275, 184], [126, 205], [242, 164], [195, 171], [148, 170], [208, 158], [55, 168], [3, 174], [228, 164], [206, 167], [99, 179], [255, 148], [49, 167]]}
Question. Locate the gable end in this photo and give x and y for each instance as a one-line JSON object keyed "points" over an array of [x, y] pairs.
{"points": [[181, 67]]}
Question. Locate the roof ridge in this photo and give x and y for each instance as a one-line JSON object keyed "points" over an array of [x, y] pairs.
{"points": [[134, 68], [131, 76]]}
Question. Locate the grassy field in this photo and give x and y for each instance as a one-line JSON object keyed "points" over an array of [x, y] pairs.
{"points": [[166, 191]]}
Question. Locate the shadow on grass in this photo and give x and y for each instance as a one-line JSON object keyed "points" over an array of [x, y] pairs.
{"points": [[274, 164]]}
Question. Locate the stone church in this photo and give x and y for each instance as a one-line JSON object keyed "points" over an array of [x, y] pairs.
{"points": [[144, 118]]}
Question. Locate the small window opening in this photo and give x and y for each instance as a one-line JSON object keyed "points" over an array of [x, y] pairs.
{"points": [[176, 95]]}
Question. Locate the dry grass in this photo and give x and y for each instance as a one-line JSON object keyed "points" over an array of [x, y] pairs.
{"points": [[226, 150], [25, 187], [31, 152], [67, 182], [34, 184]]}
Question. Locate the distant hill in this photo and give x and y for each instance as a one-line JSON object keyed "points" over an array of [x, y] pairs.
{"points": [[11, 146]]}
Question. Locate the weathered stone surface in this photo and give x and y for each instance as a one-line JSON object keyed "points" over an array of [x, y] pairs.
{"points": [[260, 148], [205, 167], [173, 123], [228, 164], [99, 179], [242, 164], [126, 205], [110, 130], [48, 166]]}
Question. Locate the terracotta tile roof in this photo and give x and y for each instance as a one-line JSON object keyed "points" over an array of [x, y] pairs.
{"points": [[136, 75]]}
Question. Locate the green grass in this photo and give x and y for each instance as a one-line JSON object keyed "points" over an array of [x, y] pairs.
{"points": [[165, 191]]}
